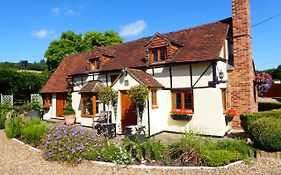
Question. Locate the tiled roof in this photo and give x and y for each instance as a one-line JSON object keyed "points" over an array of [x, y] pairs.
{"points": [[144, 78], [92, 86], [202, 43], [73, 64]]}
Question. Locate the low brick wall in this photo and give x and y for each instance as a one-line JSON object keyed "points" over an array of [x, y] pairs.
{"points": [[264, 154]]}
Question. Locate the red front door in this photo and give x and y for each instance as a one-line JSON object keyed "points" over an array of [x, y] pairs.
{"points": [[128, 111], [60, 103]]}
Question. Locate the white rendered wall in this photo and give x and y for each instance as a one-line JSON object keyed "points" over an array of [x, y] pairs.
{"points": [[52, 110], [208, 118]]}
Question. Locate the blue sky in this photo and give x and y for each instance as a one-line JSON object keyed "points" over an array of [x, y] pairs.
{"points": [[27, 27]]}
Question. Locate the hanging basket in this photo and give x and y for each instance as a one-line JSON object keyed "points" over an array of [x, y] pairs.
{"points": [[228, 118]]}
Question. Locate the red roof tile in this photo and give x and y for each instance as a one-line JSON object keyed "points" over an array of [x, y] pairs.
{"points": [[202, 43], [144, 78], [73, 64]]}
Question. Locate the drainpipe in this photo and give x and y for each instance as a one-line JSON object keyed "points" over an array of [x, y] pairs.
{"points": [[148, 119]]}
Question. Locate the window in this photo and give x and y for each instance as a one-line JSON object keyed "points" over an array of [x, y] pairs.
{"points": [[154, 98], [113, 78], [95, 64], [90, 105], [223, 94], [158, 55], [47, 100], [182, 101]]}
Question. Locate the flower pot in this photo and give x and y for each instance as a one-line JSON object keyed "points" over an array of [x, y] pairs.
{"points": [[69, 119], [34, 114], [228, 118], [181, 116]]}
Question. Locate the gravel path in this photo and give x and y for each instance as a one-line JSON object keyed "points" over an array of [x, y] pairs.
{"points": [[16, 158]]}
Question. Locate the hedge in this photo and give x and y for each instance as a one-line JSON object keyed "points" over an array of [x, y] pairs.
{"points": [[248, 119], [267, 106], [266, 134]]}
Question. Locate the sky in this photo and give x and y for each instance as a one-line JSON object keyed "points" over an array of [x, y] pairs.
{"points": [[28, 26]]}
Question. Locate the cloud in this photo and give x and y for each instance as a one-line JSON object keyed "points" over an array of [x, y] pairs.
{"points": [[56, 11], [42, 33], [70, 12], [133, 29]]}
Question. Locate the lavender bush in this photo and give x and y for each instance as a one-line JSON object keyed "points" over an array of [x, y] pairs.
{"points": [[69, 143]]}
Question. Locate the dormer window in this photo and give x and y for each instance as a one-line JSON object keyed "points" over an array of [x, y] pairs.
{"points": [[94, 64], [158, 54]]}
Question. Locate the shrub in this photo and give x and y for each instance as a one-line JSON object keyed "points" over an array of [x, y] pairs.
{"points": [[188, 150], [266, 106], [219, 157], [69, 143], [248, 119], [34, 131], [236, 145], [109, 152], [148, 150], [205, 151], [266, 134], [14, 126]]}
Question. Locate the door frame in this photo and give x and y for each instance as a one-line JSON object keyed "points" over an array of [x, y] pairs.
{"points": [[123, 117]]}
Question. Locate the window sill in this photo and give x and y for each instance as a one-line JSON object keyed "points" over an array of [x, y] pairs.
{"points": [[154, 107], [182, 112]]}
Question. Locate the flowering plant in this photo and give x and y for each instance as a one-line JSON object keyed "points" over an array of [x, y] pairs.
{"points": [[69, 143], [263, 81], [231, 112]]}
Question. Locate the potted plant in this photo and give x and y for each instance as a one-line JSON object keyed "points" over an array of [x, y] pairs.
{"points": [[230, 113], [139, 94], [181, 116], [68, 111], [35, 109], [108, 96]]}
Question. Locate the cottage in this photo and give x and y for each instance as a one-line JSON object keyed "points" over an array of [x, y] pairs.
{"points": [[199, 72]]}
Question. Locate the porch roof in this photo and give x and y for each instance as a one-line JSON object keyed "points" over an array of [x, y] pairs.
{"points": [[144, 78], [92, 87]]}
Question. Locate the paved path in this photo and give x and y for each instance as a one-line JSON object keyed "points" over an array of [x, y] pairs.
{"points": [[18, 159]]}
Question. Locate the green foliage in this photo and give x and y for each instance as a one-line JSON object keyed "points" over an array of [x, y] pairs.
{"points": [[109, 152], [266, 106], [40, 66], [71, 43], [205, 151], [4, 109], [149, 150], [108, 95], [93, 38], [21, 84], [68, 110], [139, 94], [266, 133], [33, 131], [216, 158], [14, 126], [35, 105], [69, 144], [276, 74], [248, 119]]}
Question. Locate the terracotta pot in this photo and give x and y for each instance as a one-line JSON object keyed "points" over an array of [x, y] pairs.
{"points": [[69, 119]]}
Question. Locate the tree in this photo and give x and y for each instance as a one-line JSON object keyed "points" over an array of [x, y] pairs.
{"points": [[276, 74], [139, 94], [71, 43]]}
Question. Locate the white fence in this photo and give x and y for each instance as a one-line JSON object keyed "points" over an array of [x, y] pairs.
{"points": [[7, 99]]}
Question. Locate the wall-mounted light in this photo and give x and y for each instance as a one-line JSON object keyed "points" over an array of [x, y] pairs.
{"points": [[221, 75]]}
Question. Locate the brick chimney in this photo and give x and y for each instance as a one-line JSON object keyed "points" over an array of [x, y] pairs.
{"points": [[242, 94]]}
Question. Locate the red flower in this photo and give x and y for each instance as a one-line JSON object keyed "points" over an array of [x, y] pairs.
{"points": [[231, 111]]}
